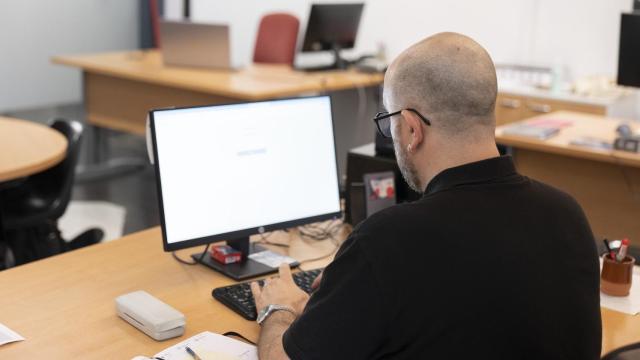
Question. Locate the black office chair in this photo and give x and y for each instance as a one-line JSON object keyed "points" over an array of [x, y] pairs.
{"points": [[31, 209], [629, 352]]}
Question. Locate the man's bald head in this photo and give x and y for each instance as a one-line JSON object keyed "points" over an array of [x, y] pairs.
{"points": [[450, 79]]}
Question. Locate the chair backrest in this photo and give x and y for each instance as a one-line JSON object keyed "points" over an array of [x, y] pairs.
{"points": [[277, 37], [57, 182], [629, 352]]}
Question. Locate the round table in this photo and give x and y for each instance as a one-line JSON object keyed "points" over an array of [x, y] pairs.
{"points": [[27, 148]]}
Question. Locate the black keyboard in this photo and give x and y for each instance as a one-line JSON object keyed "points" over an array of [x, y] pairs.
{"points": [[239, 298]]}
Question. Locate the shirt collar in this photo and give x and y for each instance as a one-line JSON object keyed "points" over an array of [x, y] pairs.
{"points": [[475, 172]]}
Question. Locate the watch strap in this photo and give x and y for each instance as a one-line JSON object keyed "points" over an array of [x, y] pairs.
{"points": [[270, 309]]}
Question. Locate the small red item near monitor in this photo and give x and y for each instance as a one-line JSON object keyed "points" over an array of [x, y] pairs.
{"points": [[225, 254]]}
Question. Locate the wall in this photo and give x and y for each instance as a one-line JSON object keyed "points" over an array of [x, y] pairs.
{"points": [[582, 35], [31, 31]]}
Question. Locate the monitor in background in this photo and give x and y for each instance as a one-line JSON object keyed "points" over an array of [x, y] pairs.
{"points": [[230, 171], [195, 45], [629, 51], [332, 27]]}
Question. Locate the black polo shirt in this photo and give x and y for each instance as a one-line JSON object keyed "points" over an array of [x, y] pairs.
{"points": [[489, 264]]}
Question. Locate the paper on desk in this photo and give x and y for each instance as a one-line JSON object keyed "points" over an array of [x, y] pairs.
{"points": [[210, 346], [8, 336], [625, 304], [271, 259]]}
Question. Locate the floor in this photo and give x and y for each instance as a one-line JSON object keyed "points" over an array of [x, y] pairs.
{"points": [[135, 192]]}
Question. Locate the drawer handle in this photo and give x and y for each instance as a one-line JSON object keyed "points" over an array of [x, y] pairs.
{"points": [[510, 103], [541, 108]]}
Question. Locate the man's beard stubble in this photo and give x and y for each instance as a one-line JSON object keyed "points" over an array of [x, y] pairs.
{"points": [[407, 169]]}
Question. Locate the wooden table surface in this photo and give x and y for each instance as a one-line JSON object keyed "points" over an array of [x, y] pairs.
{"points": [[255, 82], [64, 305], [582, 125], [27, 148]]}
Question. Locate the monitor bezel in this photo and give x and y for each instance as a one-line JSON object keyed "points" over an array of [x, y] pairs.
{"points": [[244, 232]]}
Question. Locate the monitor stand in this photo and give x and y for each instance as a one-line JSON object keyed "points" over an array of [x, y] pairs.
{"points": [[244, 269], [339, 63]]}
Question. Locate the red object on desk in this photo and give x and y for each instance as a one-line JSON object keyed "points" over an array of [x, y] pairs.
{"points": [[225, 254]]}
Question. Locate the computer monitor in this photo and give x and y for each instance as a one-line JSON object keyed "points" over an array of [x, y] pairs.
{"points": [[629, 51], [226, 172], [332, 27]]}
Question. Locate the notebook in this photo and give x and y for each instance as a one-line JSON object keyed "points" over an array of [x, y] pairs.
{"points": [[540, 129], [208, 346]]}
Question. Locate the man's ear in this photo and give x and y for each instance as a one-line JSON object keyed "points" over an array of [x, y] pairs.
{"points": [[414, 125]]}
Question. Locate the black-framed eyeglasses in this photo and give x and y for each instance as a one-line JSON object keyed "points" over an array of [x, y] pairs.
{"points": [[383, 121]]}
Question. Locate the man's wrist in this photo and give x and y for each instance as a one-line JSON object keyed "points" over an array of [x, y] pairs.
{"points": [[280, 317], [271, 309]]}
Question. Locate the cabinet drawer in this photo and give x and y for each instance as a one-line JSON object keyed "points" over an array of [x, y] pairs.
{"points": [[509, 109], [535, 107]]}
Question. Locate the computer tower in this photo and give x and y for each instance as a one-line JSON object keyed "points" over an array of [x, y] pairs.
{"points": [[361, 161]]}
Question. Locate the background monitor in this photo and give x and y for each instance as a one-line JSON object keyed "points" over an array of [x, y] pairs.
{"points": [[229, 171], [332, 27], [629, 52]]}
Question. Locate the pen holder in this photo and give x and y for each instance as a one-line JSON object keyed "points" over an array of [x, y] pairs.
{"points": [[615, 279]]}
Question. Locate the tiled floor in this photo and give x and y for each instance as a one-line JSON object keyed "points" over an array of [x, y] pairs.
{"points": [[135, 191]]}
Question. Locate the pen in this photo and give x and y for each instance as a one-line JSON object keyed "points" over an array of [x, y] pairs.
{"points": [[622, 253], [609, 251], [192, 353]]}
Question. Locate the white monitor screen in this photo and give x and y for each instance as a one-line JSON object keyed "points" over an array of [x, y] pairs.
{"points": [[230, 168]]}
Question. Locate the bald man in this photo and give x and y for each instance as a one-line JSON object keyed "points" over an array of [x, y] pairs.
{"points": [[488, 264]]}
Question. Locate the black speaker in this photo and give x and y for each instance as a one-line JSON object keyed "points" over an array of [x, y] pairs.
{"points": [[361, 161]]}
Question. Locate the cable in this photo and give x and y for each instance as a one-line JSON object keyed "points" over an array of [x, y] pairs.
{"points": [[195, 262], [235, 334], [264, 240], [317, 232], [335, 249]]}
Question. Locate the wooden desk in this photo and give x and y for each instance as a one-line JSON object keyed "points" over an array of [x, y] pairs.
{"points": [[120, 88], [27, 148], [64, 305], [606, 183]]}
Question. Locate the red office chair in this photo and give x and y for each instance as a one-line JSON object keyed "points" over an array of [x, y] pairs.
{"points": [[276, 41]]}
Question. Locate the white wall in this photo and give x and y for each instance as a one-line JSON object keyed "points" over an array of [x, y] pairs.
{"points": [[31, 31], [582, 35]]}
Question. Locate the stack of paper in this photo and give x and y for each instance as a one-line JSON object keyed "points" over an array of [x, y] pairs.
{"points": [[8, 336], [208, 346]]}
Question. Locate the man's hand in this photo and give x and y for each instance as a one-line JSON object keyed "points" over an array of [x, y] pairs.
{"points": [[280, 291]]}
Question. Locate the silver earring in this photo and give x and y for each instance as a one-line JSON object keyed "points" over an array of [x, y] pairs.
{"points": [[409, 148]]}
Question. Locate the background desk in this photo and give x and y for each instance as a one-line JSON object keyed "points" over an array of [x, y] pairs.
{"points": [[120, 88], [605, 183], [64, 305]]}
